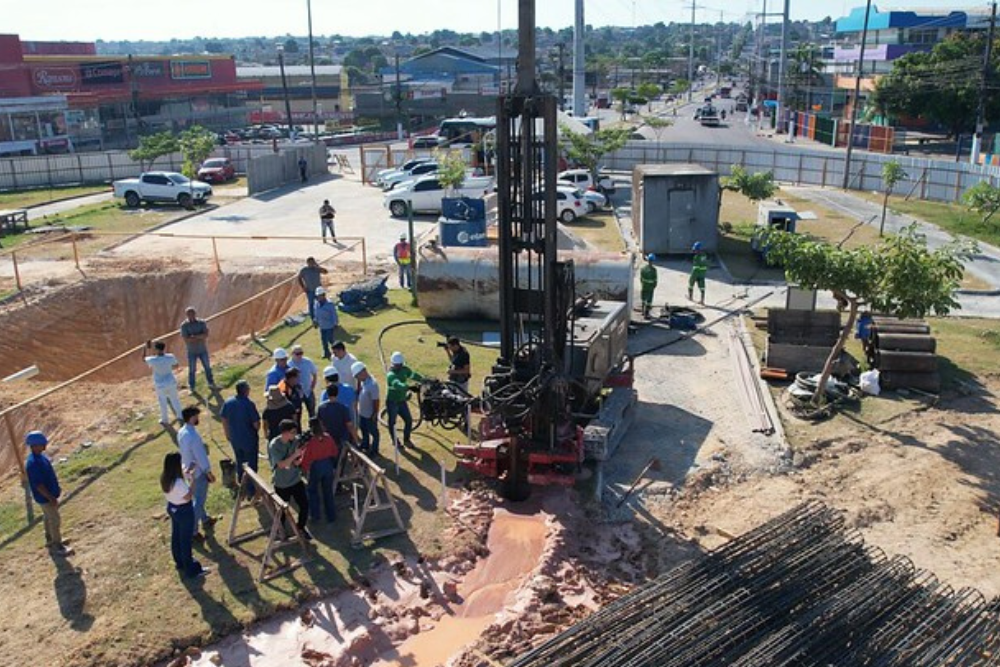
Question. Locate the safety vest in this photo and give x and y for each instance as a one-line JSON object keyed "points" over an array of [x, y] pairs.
{"points": [[403, 252]]}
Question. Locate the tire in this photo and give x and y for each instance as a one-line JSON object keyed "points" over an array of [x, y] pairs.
{"points": [[397, 208], [591, 207], [132, 199], [185, 200], [567, 216]]}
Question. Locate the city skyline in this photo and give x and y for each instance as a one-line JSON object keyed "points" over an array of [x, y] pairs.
{"points": [[115, 20]]}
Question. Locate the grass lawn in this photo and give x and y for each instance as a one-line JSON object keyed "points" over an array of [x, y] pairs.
{"points": [[600, 229], [120, 601], [953, 218], [35, 197], [109, 216], [967, 348]]}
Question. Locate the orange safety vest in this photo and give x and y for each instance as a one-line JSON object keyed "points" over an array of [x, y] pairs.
{"points": [[403, 252]]}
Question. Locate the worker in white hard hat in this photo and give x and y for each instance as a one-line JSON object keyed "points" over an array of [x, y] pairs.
{"points": [[368, 407], [276, 373], [326, 320], [398, 381]]}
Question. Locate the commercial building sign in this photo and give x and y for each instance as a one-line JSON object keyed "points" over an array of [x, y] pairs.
{"points": [[55, 78], [149, 69], [190, 69], [102, 73]]}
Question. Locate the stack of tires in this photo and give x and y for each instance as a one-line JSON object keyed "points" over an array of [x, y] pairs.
{"points": [[904, 352]]}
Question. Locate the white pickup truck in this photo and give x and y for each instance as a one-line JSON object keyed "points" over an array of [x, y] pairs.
{"points": [[162, 186], [426, 192]]}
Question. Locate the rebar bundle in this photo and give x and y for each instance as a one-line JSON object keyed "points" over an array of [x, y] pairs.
{"points": [[800, 590]]}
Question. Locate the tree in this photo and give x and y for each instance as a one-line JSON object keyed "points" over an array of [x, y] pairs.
{"points": [[152, 147], [984, 199], [805, 71], [196, 143], [291, 46], [214, 46], [588, 149], [657, 124], [755, 187], [680, 87], [649, 91], [621, 96], [451, 169], [899, 276], [892, 174]]}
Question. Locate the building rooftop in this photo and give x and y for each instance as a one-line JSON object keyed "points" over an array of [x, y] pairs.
{"points": [[268, 71]]}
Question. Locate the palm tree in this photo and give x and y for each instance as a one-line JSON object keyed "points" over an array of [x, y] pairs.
{"points": [[806, 71]]}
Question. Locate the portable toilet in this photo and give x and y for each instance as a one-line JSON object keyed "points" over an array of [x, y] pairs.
{"points": [[674, 205]]}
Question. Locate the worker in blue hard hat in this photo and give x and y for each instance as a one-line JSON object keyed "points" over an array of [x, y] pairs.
{"points": [[699, 267], [648, 277], [45, 489]]}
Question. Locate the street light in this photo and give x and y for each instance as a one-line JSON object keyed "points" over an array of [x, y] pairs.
{"points": [[312, 72], [284, 89]]}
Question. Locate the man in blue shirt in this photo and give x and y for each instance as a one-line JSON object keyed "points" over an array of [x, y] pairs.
{"points": [[336, 419], [346, 394], [194, 459], [326, 320], [276, 373], [45, 489], [307, 377], [241, 422]]}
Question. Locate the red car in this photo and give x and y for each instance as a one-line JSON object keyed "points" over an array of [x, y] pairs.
{"points": [[217, 170]]}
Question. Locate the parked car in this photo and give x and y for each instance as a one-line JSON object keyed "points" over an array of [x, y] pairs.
{"points": [[427, 141], [406, 166], [583, 179], [422, 169], [163, 187], [592, 199], [217, 170], [426, 192], [569, 205]]}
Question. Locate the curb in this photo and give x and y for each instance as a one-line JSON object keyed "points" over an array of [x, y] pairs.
{"points": [[62, 199], [194, 214], [978, 292]]}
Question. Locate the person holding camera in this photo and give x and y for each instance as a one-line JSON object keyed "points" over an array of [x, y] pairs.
{"points": [[164, 382], [285, 454], [319, 463], [460, 369], [397, 391]]}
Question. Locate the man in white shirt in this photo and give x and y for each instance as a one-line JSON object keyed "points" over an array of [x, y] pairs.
{"points": [[194, 460], [308, 373], [164, 382], [342, 361], [368, 407]]}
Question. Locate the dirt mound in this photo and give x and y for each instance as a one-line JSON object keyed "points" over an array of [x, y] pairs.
{"points": [[81, 326]]}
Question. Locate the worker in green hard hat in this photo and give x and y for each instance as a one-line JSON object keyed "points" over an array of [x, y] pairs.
{"points": [[648, 277], [698, 270]]}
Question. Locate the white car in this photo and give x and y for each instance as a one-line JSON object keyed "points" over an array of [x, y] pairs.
{"points": [[422, 169], [426, 192], [592, 199], [569, 205], [163, 187], [583, 179], [406, 166]]}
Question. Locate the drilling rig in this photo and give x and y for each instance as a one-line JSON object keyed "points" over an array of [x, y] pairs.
{"points": [[559, 354]]}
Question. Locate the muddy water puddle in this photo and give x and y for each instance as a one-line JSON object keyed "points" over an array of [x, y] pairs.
{"points": [[515, 547]]}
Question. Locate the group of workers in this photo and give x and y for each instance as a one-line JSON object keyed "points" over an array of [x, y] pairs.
{"points": [[648, 278]]}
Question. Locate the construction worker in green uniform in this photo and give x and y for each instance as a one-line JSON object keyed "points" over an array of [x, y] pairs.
{"points": [[698, 270], [648, 278]]}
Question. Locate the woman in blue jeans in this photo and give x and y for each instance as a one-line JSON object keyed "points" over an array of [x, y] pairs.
{"points": [[181, 512]]}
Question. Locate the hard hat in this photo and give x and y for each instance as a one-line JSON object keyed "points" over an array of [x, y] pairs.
{"points": [[357, 367], [36, 439], [320, 291], [402, 237], [330, 371], [279, 353], [397, 359], [650, 257], [697, 246]]}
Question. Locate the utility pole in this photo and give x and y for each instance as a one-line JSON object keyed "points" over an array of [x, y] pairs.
{"points": [[977, 141], [718, 51], [780, 109], [579, 64], [284, 90], [312, 73], [762, 57], [691, 55], [562, 76], [399, 103], [857, 93]]}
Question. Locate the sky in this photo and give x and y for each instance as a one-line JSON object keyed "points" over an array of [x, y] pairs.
{"points": [[89, 20]]}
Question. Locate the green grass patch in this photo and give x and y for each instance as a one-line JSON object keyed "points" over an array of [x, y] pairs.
{"points": [[26, 198], [953, 218], [227, 376]]}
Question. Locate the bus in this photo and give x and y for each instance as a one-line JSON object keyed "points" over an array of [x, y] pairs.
{"points": [[455, 131]]}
